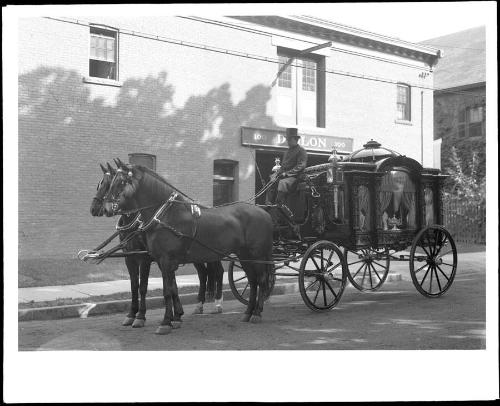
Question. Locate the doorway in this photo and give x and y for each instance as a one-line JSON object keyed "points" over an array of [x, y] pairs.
{"points": [[265, 162]]}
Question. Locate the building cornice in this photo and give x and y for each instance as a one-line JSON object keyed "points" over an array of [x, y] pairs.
{"points": [[329, 31]]}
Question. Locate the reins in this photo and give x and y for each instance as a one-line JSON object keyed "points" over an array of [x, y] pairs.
{"points": [[156, 218]]}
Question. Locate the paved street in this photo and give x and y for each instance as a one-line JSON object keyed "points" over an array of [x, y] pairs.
{"points": [[396, 317]]}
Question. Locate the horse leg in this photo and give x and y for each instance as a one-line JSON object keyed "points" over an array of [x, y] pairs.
{"points": [[262, 283], [167, 268], [202, 277], [144, 268], [178, 310], [218, 275], [252, 280], [133, 271]]}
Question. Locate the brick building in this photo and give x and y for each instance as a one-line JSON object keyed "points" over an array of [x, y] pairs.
{"points": [[195, 99], [460, 102]]}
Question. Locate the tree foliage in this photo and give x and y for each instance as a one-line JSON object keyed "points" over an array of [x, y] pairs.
{"points": [[465, 181]]}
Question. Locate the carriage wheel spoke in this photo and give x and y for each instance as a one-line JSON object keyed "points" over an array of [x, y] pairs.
{"points": [[244, 290], [358, 270], [364, 274], [336, 279], [322, 261], [237, 280], [441, 244], [440, 270], [370, 274], [355, 262], [237, 266], [446, 253], [315, 264], [331, 289], [380, 265], [317, 293], [324, 293], [425, 276], [427, 253], [437, 279], [376, 273], [422, 267], [445, 263], [329, 258], [430, 285], [312, 283]]}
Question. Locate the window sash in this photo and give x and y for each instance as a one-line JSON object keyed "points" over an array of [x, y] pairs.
{"points": [[102, 48], [403, 103], [309, 75], [285, 78]]}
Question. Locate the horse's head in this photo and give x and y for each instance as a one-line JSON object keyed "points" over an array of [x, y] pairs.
{"points": [[122, 190], [96, 207]]}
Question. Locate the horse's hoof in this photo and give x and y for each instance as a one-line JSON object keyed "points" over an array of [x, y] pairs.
{"points": [[217, 310], [128, 321], [246, 317], [162, 330], [138, 323], [198, 310], [255, 319], [176, 324]]}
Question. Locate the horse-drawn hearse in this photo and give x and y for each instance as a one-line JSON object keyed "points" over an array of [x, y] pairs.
{"points": [[350, 218], [355, 216]]}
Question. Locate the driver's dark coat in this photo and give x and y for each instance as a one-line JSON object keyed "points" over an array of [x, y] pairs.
{"points": [[294, 161]]}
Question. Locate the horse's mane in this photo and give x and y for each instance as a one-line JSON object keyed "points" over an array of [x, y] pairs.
{"points": [[158, 184]]}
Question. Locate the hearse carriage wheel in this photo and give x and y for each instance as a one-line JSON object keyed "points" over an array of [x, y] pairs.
{"points": [[322, 276], [240, 287], [433, 261], [367, 268]]}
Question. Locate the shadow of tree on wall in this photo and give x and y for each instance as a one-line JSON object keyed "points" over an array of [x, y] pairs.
{"points": [[67, 127]]}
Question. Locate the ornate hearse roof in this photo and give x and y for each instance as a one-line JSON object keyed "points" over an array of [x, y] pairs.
{"points": [[372, 151]]}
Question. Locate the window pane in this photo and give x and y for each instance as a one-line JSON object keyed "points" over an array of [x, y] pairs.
{"points": [[403, 102], [476, 115], [285, 79], [309, 76]]}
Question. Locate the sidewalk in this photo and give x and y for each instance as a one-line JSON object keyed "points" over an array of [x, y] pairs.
{"points": [[86, 294], [87, 290]]}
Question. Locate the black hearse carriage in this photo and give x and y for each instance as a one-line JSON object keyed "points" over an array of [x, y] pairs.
{"points": [[377, 202], [370, 208]]}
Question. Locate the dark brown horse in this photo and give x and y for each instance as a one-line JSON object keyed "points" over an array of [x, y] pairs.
{"points": [[138, 266], [175, 235]]}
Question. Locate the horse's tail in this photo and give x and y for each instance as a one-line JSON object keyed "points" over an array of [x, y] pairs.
{"points": [[270, 278]]}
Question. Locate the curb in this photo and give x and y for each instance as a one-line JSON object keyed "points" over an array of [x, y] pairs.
{"points": [[84, 310]]}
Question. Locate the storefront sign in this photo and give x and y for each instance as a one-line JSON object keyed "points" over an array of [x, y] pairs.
{"points": [[276, 139]]}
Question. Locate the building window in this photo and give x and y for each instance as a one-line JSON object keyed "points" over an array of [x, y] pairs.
{"points": [[301, 90], [103, 53], [146, 160], [404, 103], [471, 122], [309, 75], [285, 79], [225, 180]]}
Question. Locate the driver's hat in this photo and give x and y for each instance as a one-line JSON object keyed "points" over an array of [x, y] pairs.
{"points": [[291, 132]]}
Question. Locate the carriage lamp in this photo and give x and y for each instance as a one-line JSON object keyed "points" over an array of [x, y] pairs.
{"points": [[331, 173], [277, 164], [331, 177]]}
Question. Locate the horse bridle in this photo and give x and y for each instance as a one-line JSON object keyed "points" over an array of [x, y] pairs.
{"points": [[114, 200]]}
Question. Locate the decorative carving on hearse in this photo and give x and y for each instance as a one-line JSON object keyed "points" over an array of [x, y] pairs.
{"points": [[360, 204], [432, 194]]}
